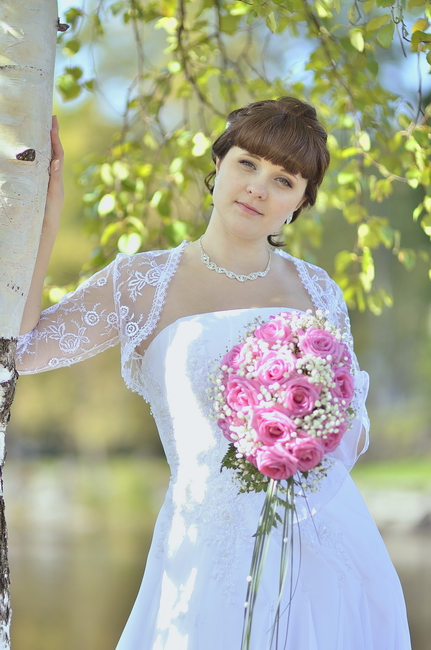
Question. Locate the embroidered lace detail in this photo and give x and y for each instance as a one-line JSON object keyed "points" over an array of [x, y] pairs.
{"points": [[159, 277], [82, 324], [122, 303], [319, 535]]}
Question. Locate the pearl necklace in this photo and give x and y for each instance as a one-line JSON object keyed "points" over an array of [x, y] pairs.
{"points": [[230, 274]]}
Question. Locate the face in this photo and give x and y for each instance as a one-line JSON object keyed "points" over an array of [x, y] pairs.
{"points": [[252, 197]]}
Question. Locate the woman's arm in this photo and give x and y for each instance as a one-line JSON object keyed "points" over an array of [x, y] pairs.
{"points": [[54, 202]]}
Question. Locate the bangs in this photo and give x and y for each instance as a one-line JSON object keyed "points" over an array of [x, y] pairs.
{"points": [[283, 140]]}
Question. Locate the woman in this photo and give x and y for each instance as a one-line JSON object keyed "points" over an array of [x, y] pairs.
{"points": [[177, 312]]}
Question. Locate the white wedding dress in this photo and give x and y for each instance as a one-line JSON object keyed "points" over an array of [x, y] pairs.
{"points": [[343, 592]]}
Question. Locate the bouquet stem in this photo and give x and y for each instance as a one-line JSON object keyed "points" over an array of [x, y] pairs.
{"points": [[267, 521]]}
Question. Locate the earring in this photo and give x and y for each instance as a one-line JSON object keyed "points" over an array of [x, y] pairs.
{"points": [[289, 219]]}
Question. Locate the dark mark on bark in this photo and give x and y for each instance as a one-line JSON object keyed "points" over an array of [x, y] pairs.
{"points": [[62, 27], [28, 155]]}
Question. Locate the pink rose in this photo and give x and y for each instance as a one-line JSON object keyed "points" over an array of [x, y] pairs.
{"points": [[346, 356], [321, 343], [274, 330], [224, 424], [299, 396], [308, 453], [273, 366], [332, 439], [344, 384], [241, 392], [252, 458], [272, 425], [276, 462], [234, 357]]}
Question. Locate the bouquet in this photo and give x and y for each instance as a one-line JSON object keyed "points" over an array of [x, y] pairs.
{"points": [[282, 397]]}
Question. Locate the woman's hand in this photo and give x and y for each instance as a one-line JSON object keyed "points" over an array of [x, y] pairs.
{"points": [[51, 221], [55, 192]]}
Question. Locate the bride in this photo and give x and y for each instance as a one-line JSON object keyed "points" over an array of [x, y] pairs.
{"points": [[175, 313]]}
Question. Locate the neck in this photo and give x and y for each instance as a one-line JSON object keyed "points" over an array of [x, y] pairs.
{"points": [[237, 254]]}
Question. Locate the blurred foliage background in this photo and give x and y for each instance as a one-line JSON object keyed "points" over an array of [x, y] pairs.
{"points": [[143, 89]]}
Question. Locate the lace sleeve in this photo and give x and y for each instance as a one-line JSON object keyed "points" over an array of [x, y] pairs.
{"points": [[122, 303], [82, 324]]}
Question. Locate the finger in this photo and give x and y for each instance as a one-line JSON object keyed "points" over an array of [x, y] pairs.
{"points": [[55, 124], [56, 146]]}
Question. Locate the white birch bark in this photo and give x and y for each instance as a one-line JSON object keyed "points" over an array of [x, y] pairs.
{"points": [[28, 30]]}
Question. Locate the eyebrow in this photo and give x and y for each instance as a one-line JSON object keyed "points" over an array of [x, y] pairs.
{"points": [[256, 157]]}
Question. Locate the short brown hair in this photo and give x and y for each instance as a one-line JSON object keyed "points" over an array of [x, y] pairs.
{"points": [[284, 131]]}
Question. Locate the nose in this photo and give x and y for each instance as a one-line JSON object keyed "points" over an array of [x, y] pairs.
{"points": [[257, 190]]}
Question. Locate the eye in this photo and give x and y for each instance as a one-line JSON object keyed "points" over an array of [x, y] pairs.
{"points": [[284, 181], [247, 163]]}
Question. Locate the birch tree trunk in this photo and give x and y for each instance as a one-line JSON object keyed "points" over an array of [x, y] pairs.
{"points": [[27, 51]]}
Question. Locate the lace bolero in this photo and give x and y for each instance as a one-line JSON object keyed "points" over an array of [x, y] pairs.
{"points": [[123, 303]]}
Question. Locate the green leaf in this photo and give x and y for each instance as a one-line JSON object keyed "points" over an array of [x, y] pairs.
{"points": [[271, 23], [239, 8], [129, 244], [75, 72], [110, 232], [72, 47], [368, 273], [420, 37], [343, 259], [377, 22], [68, 85], [416, 3], [117, 7], [106, 205], [364, 141], [351, 14], [156, 198], [72, 15], [418, 211], [229, 23], [357, 39], [421, 24], [386, 35], [201, 144], [354, 212], [346, 177], [89, 85], [426, 224]]}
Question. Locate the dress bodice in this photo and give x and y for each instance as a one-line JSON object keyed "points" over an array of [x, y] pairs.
{"points": [[202, 503], [176, 369]]}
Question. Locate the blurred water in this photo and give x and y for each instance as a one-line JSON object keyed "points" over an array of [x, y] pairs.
{"points": [[79, 537]]}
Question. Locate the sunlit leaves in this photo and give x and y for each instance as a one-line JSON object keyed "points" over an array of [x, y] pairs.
{"points": [[106, 205], [376, 23], [386, 35], [357, 39], [129, 244], [148, 190], [68, 83]]}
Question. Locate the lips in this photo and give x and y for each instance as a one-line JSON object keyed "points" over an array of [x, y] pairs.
{"points": [[249, 208]]}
